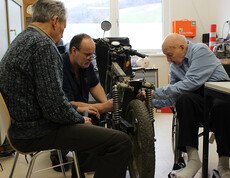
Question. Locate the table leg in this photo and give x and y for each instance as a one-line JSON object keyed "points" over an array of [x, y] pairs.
{"points": [[207, 106]]}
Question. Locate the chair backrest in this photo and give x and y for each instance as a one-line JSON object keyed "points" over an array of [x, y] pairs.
{"points": [[5, 118], [6, 122]]}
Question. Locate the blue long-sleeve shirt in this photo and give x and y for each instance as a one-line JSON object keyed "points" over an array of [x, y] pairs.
{"points": [[200, 65]]}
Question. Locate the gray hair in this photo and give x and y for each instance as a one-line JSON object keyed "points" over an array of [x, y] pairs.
{"points": [[45, 10]]}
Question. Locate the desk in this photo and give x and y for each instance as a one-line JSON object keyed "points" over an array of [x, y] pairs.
{"points": [[212, 90], [151, 75], [226, 64]]}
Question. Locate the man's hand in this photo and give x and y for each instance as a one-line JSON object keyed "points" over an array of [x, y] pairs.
{"points": [[87, 120], [142, 95], [108, 106], [90, 109]]}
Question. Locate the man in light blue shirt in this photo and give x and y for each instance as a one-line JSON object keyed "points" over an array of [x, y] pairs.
{"points": [[191, 66], [188, 72]]}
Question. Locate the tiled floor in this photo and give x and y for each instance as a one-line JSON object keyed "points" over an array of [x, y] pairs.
{"points": [[164, 155]]}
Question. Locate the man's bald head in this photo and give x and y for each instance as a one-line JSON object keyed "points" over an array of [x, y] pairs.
{"points": [[173, 40], [175, 47]]}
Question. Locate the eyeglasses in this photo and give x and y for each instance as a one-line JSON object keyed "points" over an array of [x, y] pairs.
{"points": [[87, 55]]}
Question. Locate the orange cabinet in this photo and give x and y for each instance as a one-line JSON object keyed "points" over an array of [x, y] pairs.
{"points": [[185, 27]]}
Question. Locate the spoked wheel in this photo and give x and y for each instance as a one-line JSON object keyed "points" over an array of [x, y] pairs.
{"points": [[178, 155], [142, 164], [175, 130]]}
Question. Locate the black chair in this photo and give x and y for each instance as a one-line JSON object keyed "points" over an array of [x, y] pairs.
{"points": [[227, 68], [179, 155]]}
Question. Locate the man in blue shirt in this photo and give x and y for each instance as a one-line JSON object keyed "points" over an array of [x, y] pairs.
{"points": [[191, 66], [79, 79]]}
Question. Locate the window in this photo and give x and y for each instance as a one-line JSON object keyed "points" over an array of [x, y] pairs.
{"points": [[140, 20]]}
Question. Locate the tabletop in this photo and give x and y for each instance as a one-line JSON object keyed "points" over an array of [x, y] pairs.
{"points": [[221, 86]]}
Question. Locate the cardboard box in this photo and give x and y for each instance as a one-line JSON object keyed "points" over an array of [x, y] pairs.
{"points": [[164, 110]]}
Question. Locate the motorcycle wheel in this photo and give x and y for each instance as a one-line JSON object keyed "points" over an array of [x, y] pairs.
{"points": [[142, 163]]}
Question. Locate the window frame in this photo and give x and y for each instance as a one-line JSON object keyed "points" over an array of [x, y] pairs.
{"points": [[114, 19]]}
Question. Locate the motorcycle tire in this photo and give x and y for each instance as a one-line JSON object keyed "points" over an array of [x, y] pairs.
{"points": [[142, 163]]}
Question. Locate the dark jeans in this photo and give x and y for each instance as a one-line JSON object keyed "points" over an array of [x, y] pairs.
{"points": [[111, 147], [85, 159], [190, 112]]}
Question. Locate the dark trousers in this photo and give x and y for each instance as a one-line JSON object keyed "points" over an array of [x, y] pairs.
{"points": [[85, 159], [190, 112], [111, 147]]}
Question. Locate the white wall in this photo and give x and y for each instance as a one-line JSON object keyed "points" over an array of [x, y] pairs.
{"points": [[205, 13], [3, 29]]}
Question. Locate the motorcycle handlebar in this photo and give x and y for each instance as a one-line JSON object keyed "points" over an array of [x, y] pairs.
{"points": [[134, 52], [131, 51]]}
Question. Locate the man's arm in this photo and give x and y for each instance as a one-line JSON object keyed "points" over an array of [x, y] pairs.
{"points": [[50, 96], [100, 107], [202, 65], [98, 93], [103, 106], [163, 103]]}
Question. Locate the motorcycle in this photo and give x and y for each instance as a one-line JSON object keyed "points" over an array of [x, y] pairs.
{"points": [[130, 115]]}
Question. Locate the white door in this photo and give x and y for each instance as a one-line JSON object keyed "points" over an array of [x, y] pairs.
{"points": [[3, 29], [14, 18], [15, 15]]}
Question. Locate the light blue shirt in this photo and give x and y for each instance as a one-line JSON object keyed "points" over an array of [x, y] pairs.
{"points": [[200, 65]]}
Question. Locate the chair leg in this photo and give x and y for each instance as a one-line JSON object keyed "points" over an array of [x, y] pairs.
{"points": [[61, 162], [14, 164], [76, 164], [1, 167], [31, 165]]}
